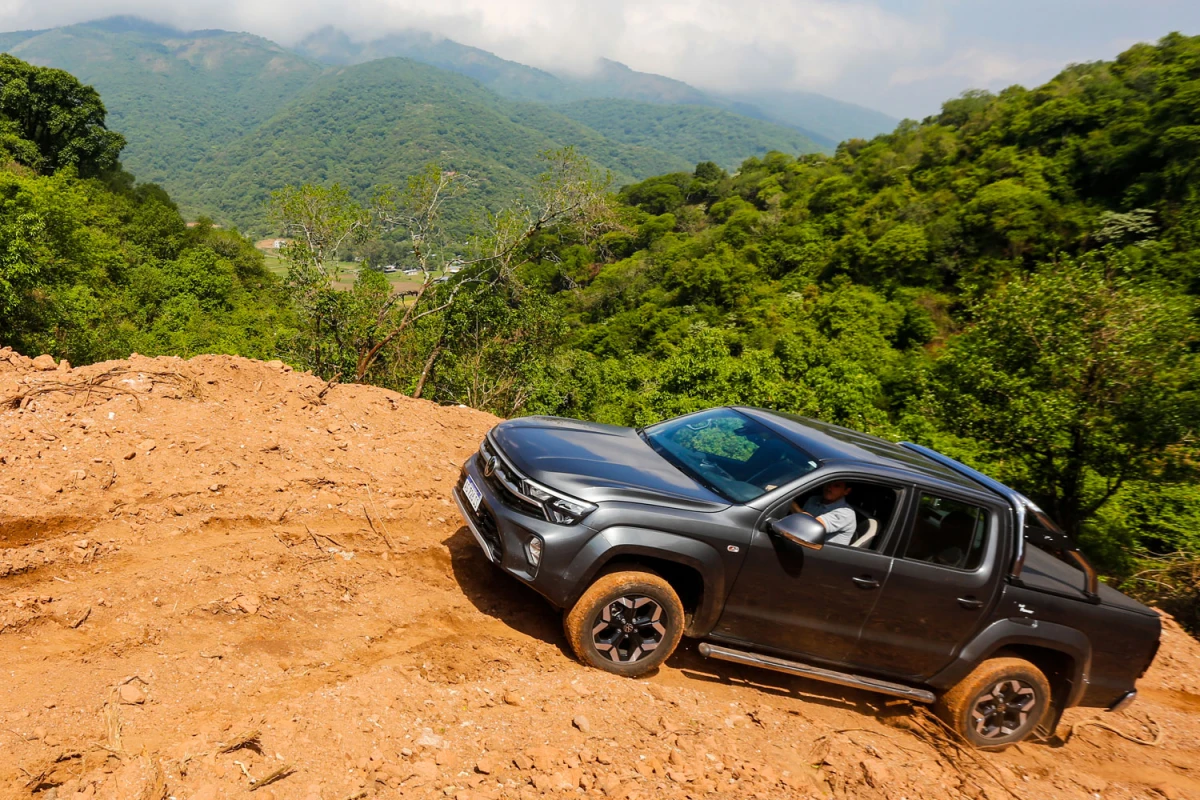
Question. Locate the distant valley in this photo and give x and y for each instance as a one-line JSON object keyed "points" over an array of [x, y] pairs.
{"points": [[220, 119]]}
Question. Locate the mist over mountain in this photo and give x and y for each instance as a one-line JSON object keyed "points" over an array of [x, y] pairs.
{"points": [[823, 119]]}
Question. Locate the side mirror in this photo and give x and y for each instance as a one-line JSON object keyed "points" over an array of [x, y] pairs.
{"points": [[800, 529]]}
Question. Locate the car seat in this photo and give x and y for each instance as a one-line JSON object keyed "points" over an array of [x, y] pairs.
{"points": [[864, 532]]}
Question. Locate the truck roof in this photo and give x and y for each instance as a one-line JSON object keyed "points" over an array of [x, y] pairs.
{"points": [[827, 442]]}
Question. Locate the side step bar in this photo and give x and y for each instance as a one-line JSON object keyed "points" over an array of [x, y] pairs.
{"points": [[816, 673]]}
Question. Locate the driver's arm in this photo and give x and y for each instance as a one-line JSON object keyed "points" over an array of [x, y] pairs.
{"points": [[798, 509]]}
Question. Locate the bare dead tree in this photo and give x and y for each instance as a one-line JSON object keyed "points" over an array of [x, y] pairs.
{"points": [[569, 193]]}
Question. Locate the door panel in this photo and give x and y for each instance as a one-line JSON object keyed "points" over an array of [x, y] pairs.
{"points": [[807, 603], [938, 593]]}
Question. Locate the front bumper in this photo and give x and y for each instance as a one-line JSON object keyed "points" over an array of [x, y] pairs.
{"points": [[503, 532]]}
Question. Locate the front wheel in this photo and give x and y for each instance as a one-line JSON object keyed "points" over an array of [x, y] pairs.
{"points": [[1000, 703], [626, 623]]}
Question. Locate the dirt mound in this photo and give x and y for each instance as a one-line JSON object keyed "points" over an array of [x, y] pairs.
{"points": [[219, 575]]}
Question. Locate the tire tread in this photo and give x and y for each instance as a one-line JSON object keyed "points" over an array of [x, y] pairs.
{"points": [[575, 621], [954, 707]]}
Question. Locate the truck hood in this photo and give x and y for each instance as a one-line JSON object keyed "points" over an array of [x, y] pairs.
{"points": [[598, 463]]}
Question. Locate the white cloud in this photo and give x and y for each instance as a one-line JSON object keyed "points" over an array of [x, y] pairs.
{"points": [[981, 68], [713, 43]]}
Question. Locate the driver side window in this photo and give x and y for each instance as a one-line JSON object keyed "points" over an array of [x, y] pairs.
{"points": [[858, 513]]}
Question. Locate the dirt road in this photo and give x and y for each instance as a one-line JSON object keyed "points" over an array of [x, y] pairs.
{"points": [[220, 578]]}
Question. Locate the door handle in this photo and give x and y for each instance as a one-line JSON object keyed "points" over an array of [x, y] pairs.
{"points": [[970, 602], [866, 582]]}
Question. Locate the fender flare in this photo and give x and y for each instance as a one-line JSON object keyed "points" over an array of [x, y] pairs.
{"points": [[621, 541], [1004, 632]]}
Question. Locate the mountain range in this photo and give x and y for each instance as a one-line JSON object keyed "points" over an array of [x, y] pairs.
{"points": [[220, 118], [823, 119]]}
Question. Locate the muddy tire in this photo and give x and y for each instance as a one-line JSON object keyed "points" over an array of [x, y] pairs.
{"points": [[1000, 703], [626, 623]]}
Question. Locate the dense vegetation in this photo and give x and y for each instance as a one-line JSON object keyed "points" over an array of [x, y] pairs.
{"points": [[93, 266], [1013, 281], [694, 132]]}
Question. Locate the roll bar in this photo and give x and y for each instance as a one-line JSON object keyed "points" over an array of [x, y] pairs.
{"points": [[1020, 504]]}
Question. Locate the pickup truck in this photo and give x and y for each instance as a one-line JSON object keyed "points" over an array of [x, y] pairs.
{"points": [[939, 584]]}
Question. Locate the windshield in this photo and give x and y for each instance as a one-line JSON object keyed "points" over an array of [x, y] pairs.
{"points": [[731, 454]]}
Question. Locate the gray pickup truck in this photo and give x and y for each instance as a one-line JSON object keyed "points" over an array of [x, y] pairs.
{"points": [[939, 584]]}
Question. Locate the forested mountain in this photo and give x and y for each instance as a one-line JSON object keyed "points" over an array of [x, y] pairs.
{"points": [[824, 120], [382, 121], [827, 121], [696, 133], [175, 98], [506, 78], [198, 108]]}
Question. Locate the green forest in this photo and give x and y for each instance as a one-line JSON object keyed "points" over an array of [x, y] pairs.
{"points": [[1012, 281], [94, 266]]}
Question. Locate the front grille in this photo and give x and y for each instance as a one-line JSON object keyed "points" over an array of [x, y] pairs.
{"points": [[502, 478]]}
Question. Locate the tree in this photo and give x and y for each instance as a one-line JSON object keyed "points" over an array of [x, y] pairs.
{"points": [[321, 223], [57, 115], [355, 329], [1077, 381]]}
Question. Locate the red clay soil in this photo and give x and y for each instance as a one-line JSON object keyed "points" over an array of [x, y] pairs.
{"points": [[220, 578]]}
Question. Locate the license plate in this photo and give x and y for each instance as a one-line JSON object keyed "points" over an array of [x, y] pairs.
{"points": [[472, 493]]}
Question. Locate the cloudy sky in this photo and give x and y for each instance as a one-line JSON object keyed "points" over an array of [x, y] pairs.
{"points": [[899, 56]]}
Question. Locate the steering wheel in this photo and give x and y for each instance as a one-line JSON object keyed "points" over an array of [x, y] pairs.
{"points": [[704, 462], [753, 478]]}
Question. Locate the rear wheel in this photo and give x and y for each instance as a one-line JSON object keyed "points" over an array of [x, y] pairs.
{"points": [[626, 623], [1000, 703]]}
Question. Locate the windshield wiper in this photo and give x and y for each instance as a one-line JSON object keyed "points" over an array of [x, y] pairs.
{"points": [[687, 469]]}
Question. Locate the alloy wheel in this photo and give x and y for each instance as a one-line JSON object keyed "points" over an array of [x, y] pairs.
{"points": [[629, 628], [1004, 709]]}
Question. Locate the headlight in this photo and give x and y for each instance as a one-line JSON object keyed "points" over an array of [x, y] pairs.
{"points": [[559, 508], [533, 551], [565, 512], [537, 493]]}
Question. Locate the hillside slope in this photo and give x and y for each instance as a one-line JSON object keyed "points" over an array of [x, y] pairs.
{"points": [[695, 132], [175, 97], [506, 78], [827, 120], [823, 120], [383, 121], [199, 555]]}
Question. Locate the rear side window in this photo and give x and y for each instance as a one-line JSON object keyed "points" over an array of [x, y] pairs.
{"points": [[949, 533]]}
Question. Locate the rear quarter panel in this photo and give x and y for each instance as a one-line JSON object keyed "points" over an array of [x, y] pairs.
{"points": [[1119, 643]]}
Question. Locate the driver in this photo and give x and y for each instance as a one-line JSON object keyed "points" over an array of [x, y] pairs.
{"points": [[832, 511]]}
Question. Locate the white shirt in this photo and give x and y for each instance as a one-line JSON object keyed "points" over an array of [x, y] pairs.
{"points": [[839, 519]]}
